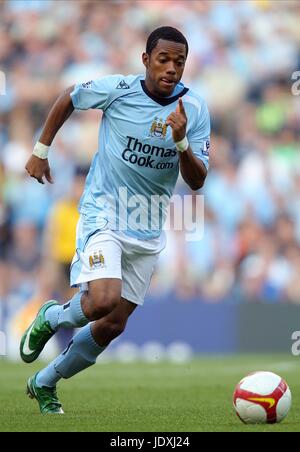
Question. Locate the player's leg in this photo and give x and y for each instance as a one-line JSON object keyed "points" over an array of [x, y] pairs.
{"points": [[100, 298], [103, 270], [81, 353], [113, 324], [88, 344], [64, 335]]}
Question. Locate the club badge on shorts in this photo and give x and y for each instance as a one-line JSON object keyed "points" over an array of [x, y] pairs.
{"points": [[96, 260]]}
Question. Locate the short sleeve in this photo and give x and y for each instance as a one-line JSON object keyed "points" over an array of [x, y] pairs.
{"points": [[94, 94], [199, 136]]}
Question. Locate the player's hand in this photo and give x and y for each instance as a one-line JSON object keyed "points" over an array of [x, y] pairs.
{"points": [[177, 120], [38, 168]]}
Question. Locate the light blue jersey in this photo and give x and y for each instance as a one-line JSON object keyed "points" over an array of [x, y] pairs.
{"points": [[134, 172]]}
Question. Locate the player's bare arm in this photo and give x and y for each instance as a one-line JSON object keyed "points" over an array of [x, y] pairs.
{"points": [[39, 167], [192, 169]]}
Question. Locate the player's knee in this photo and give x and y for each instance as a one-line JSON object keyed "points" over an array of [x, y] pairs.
{"points": [[100, 304]]}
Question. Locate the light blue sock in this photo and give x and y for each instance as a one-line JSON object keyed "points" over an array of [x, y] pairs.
{"points": [[81, 353], [69, 315]]}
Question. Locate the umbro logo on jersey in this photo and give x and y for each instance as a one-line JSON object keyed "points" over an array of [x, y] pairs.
{"points": [[122, 85]]}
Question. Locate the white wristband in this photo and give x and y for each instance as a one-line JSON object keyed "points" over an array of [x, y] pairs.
{"points": [[41, 150], [182, 145]]}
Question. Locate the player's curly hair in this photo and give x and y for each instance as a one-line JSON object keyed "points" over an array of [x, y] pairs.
{"points": [[167, 33]]}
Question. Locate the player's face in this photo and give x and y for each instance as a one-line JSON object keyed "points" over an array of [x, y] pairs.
{"points": [[164, 67]]}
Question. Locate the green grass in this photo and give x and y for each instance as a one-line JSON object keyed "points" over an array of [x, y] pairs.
{"points": [[144, 397]]}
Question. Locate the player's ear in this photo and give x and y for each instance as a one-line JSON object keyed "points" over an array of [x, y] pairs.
{"points": [[145, 58]]}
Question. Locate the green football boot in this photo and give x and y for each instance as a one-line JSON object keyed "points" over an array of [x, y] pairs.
{"points": [[37, 335], [46, 397]]}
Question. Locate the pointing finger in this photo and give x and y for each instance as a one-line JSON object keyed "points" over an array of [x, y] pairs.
{"points": [[180, 107]]}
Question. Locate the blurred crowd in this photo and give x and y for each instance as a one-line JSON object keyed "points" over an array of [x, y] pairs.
{"points": [[242, 57]]}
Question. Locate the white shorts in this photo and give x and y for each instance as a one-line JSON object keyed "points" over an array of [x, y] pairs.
{"points": [[102, 253]]}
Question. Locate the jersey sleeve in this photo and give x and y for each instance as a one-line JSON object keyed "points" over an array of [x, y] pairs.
{"points": [[94, 94], [199, 136]]}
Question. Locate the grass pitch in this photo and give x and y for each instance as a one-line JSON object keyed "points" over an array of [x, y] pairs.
{"points": [[142, 397]]}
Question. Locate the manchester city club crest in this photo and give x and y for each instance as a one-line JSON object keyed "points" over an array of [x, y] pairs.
{"points": [[158, 128], [96, 260]]}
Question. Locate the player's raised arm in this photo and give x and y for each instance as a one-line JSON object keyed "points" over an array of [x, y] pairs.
{"points": [[38, 165], [192, 169]]}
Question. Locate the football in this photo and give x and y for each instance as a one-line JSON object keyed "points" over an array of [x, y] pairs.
{"points": [[262, 398]]}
